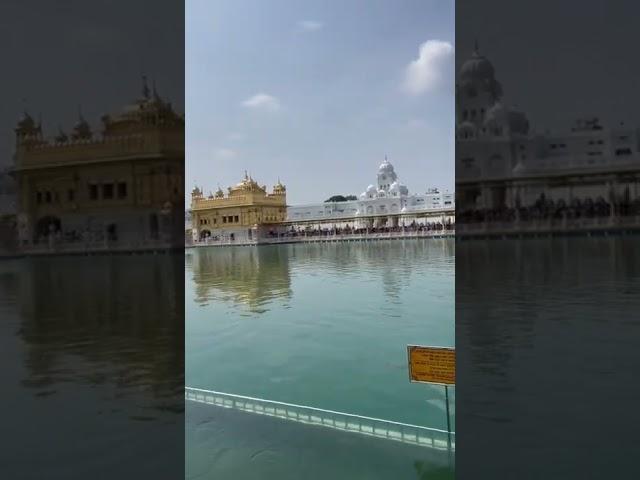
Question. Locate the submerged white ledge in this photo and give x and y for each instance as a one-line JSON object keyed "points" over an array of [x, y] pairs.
{"points": [[376, 427]]}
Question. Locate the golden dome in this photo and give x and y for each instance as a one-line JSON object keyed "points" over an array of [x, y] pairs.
{"points": [[248, 184], [148, 111]]}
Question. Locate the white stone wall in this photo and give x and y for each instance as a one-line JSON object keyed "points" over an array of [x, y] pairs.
{"points": [[389, 197]]}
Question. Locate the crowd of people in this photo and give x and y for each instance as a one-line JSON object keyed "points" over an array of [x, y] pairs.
{"points": [[348, 230], [75, 236], [549, 210]]}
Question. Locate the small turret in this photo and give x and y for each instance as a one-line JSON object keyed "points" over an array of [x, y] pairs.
{"points": [[82, 129], [279, 188], [27, 131], [196, 192]]}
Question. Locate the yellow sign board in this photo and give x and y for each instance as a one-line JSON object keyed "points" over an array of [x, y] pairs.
{"points": [[432, 364]]}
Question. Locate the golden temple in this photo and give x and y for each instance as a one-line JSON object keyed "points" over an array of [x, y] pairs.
{"points": [[241, 214], [120, 188]]}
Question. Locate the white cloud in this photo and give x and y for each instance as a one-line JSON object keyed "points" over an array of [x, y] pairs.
{"points": [[431, 69], [236, 136], [262, 101], [225, 153], [310, 25]]}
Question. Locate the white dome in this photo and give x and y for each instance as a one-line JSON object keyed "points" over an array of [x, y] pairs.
{"points": [[385, 167], [466, 127], [477, 68], [370, 192], [398, 189], [497, 115]]}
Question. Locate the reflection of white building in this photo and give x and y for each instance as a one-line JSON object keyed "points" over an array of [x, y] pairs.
{"points": [[386, 203], [500, 163]]}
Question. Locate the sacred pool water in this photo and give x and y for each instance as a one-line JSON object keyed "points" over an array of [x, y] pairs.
{"points": [[319, 325]]}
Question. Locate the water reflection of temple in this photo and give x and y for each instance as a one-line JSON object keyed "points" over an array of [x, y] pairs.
{"points": [[243, 275], [257, 276], [116, 320]]}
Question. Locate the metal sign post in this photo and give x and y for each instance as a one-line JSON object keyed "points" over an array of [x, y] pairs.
{"points": [[446, 399], [437, 366]]}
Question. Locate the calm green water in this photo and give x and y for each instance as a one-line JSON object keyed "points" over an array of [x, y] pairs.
{"points": [[548, 336], [319, 325], [93, 359]]}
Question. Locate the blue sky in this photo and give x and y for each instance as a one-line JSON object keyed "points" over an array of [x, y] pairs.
{"points": [[317, 93]]}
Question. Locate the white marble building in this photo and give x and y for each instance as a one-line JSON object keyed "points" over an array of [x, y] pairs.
{"points": [[386, 203], [502, 163]]}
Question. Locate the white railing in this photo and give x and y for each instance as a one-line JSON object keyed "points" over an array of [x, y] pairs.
{"points": [[376, 427], [302, 238], [93, 246]]}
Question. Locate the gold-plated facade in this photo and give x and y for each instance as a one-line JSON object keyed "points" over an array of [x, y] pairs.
{"points": [[240, 213], [123, 186]]}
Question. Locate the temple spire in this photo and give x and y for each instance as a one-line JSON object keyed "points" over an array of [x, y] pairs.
{"points": [[145, 87], [154, 90]]}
